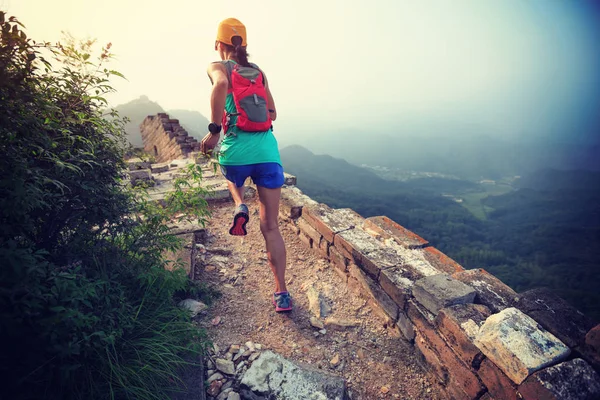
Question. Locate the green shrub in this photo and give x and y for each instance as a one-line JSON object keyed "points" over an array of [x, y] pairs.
{"points": [[87, 309]]}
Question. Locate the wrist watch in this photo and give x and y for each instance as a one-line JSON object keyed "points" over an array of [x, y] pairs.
{"points": [[214, 128]]}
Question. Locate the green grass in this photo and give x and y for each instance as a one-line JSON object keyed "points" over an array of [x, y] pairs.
{"points": [[472, 200]]}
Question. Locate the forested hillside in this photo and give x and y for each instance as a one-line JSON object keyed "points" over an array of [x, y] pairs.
{"points": [[531, 237]]}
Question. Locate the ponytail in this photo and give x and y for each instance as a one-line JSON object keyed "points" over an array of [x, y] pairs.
{"points": [[239, 51]]}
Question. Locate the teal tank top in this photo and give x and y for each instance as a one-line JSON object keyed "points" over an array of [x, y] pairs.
{"points": [[244, 148]]}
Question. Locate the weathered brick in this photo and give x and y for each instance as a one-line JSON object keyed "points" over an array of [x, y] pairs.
{"points": [[324, 247], [430, 360], [460, 376], [518, 345], [373, 292], [339, 261], [574, 379], [159, 168], [309, 231], [406, 326], [306, 240], [556, 315], [491, 291], [342, 274], [361, 248], [293, 201], [438, 291], [397, 282], [459, 324], [441, 261], [497, 383], [389, 229], [328, 221], [290, 180], [140, 174]]}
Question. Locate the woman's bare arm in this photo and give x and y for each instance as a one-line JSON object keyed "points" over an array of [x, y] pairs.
{"points": [[270, 101], [218, 76]]}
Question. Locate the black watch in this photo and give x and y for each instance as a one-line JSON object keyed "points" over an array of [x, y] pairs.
{"points": [[214, 128]]}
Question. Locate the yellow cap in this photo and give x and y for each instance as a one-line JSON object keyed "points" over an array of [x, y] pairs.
{"points": [[229, 28]]}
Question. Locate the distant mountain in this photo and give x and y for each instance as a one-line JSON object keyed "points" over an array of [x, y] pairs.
{"points": [[471, 157], [327, 170], [138, 109], [195, 123]]}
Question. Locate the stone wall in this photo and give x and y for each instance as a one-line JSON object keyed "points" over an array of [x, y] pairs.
{"points": [[481, 339], [166, 139]]}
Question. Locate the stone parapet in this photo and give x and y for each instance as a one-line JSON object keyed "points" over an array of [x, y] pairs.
{"points": [[476, 335], [165, 139]]}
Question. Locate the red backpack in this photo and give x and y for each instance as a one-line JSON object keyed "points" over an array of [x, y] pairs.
{"points": [[250, 97]]}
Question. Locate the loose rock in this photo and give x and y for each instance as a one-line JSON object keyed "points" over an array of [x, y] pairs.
{"points": [[273, 375], [340, 324], [335, 360], [316, 323], [225, 366], [195, 307], [214, 388], [215, 376], [224, 394]]}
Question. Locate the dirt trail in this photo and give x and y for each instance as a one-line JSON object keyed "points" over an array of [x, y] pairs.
{"points": [[374, 363]]}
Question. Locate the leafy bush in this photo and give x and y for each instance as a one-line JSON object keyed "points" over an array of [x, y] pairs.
{"points": [[86, 306]]}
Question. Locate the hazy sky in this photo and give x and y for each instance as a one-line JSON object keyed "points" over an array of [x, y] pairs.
{"points": [[502, 67]]}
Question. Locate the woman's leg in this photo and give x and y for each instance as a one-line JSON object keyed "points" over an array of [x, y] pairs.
{"points": [[237, 193], [269, 226]]}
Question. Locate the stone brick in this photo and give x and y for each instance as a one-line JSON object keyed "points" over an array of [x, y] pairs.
{"points": [[556, 315], [306, 240], [342, 274], [497, 383], [459, 324], [309, 231], [574, 379], [140, 174], [389, 229], [430, 359], [406, 326], [290, 180], [326, 221], [339, 261], [438, 291], [491, 291], [135, 165], [460, 375], [293, 201], [441, 261], [397, 282], [518, 345], [324, 247], [373, 292], [360, 247], [159, 168]]}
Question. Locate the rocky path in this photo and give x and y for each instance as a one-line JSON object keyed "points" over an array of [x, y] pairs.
{"points": [[330, 328]]}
